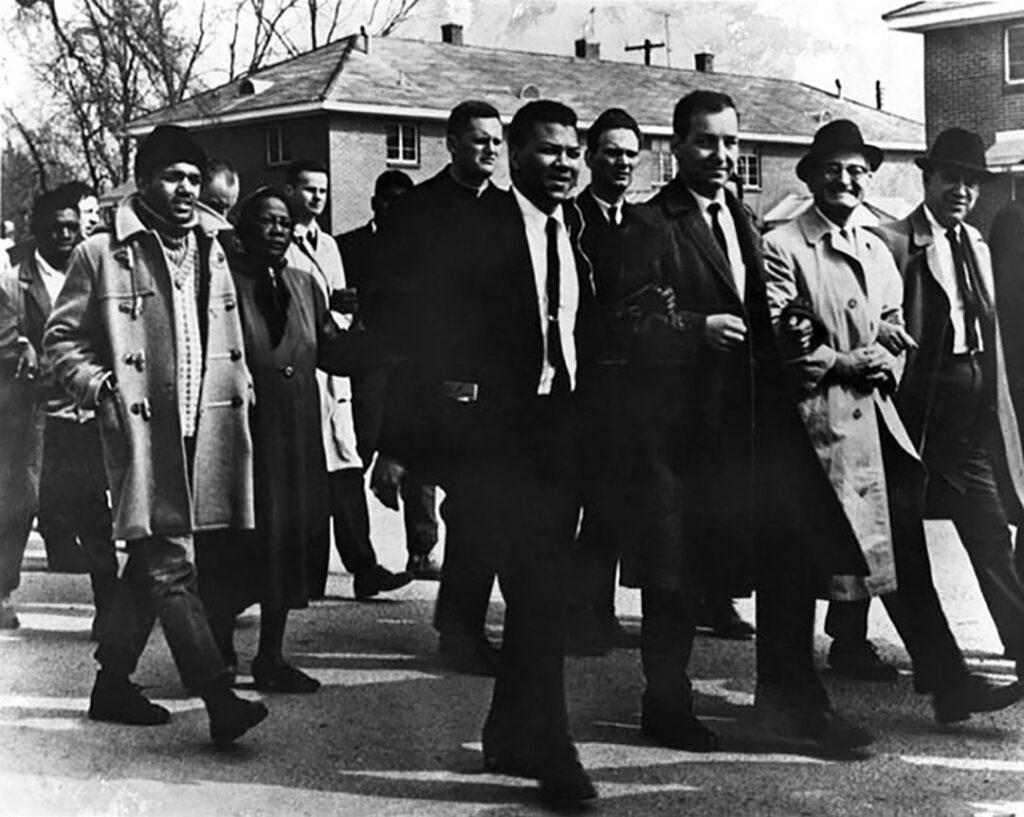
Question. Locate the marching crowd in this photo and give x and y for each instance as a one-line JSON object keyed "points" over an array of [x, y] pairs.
{"points": [[600, 388]]}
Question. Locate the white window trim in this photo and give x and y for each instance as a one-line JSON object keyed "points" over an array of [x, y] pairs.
{"points": [[756, 154], [400, 162], [271, 162], [1006, 55]]}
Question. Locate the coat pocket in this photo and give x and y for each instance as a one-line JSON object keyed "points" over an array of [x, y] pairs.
{"points": [[116, 446]]}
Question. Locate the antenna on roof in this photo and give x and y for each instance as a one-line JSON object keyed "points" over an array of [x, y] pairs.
{"points": [[647, 47]]}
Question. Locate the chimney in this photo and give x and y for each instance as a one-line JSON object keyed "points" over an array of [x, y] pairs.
{"points": [[362, 40], [704, 62], [451, 33], [586, 50]]}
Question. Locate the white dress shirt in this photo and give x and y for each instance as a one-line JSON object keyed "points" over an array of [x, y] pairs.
{"points": [[608, 208], [53, 279], [946, 276], [569, 286], [732, 240]]}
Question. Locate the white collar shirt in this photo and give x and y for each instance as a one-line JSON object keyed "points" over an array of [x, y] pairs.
{"points": [[612, 212], [732, 240], [535, 222], [946, 276], [53, 278]]}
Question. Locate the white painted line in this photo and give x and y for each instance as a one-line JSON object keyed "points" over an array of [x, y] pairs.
{"points": [[625, 756], [359, 656], [969, 764], [715, 688], [999, 808]]}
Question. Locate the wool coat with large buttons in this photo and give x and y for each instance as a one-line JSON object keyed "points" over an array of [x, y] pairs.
{"points": [[114, 317]]}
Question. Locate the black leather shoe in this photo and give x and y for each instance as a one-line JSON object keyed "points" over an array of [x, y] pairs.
{"points": [[679, 732], [860, 660], [468, 655], [719, 616], [820, 726], [563, 782], [369, 583], [423, 567], [115, 699], [977, 694], [285, 678], [232, 717]]}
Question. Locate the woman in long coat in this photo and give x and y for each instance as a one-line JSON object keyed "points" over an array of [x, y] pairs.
{"points": [[288, 333]]}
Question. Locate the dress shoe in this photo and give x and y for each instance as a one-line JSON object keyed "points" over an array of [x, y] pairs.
{"points": [[468, 655], [8, 618], [720, 617], [818, 725], [976, 694], [368, 583], [231, 717], [115, 699], [675, 731], [860, 660], [423, 567], [270, 677], [563, 782]]}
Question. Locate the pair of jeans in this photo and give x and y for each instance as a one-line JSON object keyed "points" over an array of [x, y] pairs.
{"points": [[159, 580]]}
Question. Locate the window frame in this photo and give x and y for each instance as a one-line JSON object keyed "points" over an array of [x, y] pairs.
{"points": [[400, 160], [283, 152], [748, 154], [1007, 64], [660, 148]]}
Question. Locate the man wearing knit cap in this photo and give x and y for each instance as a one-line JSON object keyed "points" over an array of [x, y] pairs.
{"points": [[146, 332]]}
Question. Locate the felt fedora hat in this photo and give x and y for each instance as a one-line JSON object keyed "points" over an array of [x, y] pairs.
{"points": [[956, 147], [837, 137]]}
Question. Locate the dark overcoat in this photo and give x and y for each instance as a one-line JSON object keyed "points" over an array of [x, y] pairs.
{"points": [[727, 474], [926, 311]]}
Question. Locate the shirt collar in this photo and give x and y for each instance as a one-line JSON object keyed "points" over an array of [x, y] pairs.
{"points": [[44, 267], [531, 212], [704, 202], [311, 230], [832, 226], [937, 228]]}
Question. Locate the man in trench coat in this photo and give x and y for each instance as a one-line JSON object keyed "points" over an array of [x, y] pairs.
{"points": [[955, 396], [146, 333], [846, 281]]}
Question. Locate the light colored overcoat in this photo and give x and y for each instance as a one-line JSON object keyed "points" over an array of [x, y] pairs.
{"points": [[114, 317], [851, 288]]}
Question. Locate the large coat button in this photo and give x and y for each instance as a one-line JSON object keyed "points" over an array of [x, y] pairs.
{"points": [[857, 414], [288, 371]]}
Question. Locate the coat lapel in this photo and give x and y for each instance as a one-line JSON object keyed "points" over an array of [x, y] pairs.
{"points": [[32, 283], [683, 208]]}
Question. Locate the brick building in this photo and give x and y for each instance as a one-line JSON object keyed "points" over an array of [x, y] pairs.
{"points": [[974, 78], [362, 105]]}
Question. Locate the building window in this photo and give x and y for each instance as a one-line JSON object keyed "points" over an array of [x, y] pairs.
{"points": [[1015, 54], [278, 151], [663, 162], [403, 144], [748, 169]]}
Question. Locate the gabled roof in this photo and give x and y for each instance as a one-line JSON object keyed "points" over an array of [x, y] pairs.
{"points": [[933, 14], [425, 80]]}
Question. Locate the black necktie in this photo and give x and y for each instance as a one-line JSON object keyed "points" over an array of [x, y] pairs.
{"points": [[560, 385], [613, 215], [967, 294], [311, 238], [716, 228]]}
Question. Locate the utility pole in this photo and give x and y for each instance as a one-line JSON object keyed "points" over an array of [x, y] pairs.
{"points": [[647, 48]]}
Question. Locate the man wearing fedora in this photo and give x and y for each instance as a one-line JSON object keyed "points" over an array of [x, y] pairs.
{"points": [[836, 299], [954, 395]]}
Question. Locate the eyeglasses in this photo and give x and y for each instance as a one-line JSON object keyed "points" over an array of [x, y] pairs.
{"points": [[834, 170], [270, 221], [953, 175]]}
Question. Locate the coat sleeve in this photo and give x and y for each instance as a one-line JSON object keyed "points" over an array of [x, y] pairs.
{"points": [[72, 337], [344, 351], [784, 286]]}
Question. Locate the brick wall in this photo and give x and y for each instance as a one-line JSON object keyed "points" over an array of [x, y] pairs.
{"points": [[964, 87]]}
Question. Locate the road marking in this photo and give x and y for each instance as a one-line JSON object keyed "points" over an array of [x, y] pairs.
{"points": [[715, 688], [360, 656], [54, 623], [969, 764], [999, 808], [624, 756]]}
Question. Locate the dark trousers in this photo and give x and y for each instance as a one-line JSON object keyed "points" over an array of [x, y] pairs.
{"points": [[964, 488], [351, 519], [74, 517], [21, 440], [525, 525], [159, 580]]}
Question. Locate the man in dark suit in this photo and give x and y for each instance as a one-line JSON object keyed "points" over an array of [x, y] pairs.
{"points": [[720, 452], [613, 149], [955, 397], [422, 237], [419, 500], [494, 370]]}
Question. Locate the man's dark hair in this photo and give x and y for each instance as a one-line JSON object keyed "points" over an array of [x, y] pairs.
{"points": [[65, 197], [217, 167], [392, 178], [612, 119], [300, 166], [458, 119], [546, 111], [698, 102], [80, 189]]}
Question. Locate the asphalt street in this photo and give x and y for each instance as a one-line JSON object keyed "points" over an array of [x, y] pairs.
{"points": [[390, 733]]}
